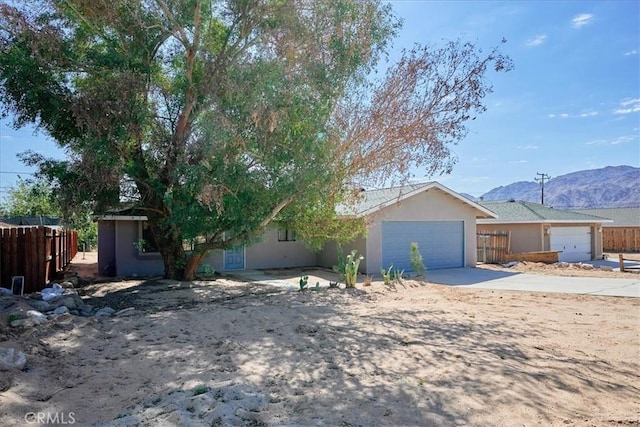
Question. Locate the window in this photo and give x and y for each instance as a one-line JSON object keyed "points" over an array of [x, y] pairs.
{"points": [[286, 235], [146, 241]]}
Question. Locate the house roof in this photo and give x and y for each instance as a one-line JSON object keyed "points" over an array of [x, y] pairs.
{"points": [[518, 211], [123, 214], [622, 217], [15, 221], [371, 201]]}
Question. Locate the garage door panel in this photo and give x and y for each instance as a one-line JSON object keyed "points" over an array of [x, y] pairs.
{"points": [[441, 243], [573, 242]]}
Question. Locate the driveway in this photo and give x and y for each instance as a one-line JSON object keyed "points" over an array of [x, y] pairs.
{"points": [[515, 281]]}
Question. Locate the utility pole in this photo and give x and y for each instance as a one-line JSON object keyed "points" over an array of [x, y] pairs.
{"points": [[542, 176]]}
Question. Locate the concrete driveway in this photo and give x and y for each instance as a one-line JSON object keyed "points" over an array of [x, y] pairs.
{"points": [[515, 281]]}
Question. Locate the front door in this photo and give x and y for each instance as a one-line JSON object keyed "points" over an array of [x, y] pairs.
{"points": [[234, 259]]}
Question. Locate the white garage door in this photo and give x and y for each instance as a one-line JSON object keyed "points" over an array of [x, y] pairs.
{"points": [[574, 242], [441, 243]]}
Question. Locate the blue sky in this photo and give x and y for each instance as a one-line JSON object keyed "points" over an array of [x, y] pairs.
{"points": [[571, 103]]}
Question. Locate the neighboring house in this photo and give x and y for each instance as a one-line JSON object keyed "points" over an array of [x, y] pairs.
{"points": [[442, 222], [536, 228], [31, 221], [621, 235]]}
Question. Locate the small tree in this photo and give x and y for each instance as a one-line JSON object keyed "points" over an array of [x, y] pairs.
{"points": [[416, 260]]}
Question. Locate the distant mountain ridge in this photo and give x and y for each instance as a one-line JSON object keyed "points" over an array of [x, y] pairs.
{"points": [[612, 186]]}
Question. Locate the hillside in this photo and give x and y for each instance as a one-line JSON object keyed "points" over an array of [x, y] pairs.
{"points": [[612, 186]]}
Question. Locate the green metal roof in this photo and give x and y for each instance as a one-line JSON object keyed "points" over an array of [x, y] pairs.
{"points": [[521, 211], [622, 217]]}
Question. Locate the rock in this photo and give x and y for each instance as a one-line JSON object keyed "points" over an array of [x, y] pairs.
{"points": [[67, 285], [606, 268], [37, 317], [70, 302], [61, 310], [125, 311], [563, 265], [10, 359], [586, 266], [40, 305], [105, 312]]}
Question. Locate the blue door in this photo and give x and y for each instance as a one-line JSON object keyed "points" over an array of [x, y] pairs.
{"points": [[441, 243], [234, 259]]}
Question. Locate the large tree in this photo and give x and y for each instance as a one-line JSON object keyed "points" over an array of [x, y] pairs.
{"points": [[219, 117]]}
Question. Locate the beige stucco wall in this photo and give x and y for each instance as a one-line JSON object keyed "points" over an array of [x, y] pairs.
{"points": [[270, 253], [431, 205], [524, 237]]}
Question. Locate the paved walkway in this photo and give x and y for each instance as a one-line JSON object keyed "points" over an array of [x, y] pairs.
{"points": [[489, 279]]}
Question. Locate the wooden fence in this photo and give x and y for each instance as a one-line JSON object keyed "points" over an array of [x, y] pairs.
{"points": [[621, 239], [493, 246], [37, 253]]}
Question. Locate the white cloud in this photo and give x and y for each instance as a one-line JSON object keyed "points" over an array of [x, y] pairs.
{"points": [[612, 141], [581, 20], [589, 114], [596, 142], [564, 115], [631, 52], [628, 106], [529, 147], [551, 116], [518, 161], [537, 40]]}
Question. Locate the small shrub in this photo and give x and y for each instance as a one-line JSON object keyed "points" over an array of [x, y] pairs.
{"points": [[398, 276], [386, 275], [368, 280], [351, 269], [304, 281], [416, 260], [333, 285], [201, 389]]}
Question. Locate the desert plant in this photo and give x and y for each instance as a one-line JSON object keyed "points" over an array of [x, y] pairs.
{"points": [[351, 269], [368, 280], [340, 266], [416, 260], [333, 285], [398, 276], [386, 275], [304, 281], [201, 389]]}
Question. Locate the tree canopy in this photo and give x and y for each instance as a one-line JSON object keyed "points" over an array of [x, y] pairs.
{"points": [[219, 118]]}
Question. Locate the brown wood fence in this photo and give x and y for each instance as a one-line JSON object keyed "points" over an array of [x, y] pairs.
{"points": [[621, 239], [493, 246], [37, 253]]}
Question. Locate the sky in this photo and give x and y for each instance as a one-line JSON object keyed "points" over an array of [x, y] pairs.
{"points": [[572, 101]]}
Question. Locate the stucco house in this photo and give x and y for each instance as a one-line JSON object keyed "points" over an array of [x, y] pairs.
{"points": [[442, 222], [535, 228]]}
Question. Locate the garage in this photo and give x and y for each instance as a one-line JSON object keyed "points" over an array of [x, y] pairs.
{"points": [[573, 242], [441, 243]]}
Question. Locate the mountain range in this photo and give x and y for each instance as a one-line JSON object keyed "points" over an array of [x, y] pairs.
{"points": [[611, 186]]}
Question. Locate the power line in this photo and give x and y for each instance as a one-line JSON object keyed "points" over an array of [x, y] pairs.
{"points": [[17, 173]]}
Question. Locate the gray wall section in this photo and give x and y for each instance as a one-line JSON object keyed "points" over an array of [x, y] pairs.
{"points": [[106, 246], [129, 262], [118, 239]]}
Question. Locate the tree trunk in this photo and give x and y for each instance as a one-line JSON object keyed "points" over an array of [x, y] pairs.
{"points": [[192, 264], [174, 260]]}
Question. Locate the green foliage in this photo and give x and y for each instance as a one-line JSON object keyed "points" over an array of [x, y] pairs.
{"points": [[416, 260], [351, 268], [304, 281], [217, 120], [201, 389], [386, 275], [30, 198], [398, 276]]}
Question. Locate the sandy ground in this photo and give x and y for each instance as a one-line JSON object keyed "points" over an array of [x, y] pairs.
{"points": [[232, 353]]}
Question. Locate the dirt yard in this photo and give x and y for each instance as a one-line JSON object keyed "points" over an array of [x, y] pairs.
{"points": [[232, 353]]}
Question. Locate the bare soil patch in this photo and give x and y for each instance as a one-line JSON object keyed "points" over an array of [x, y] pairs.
{"points": [[232, 353]]}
